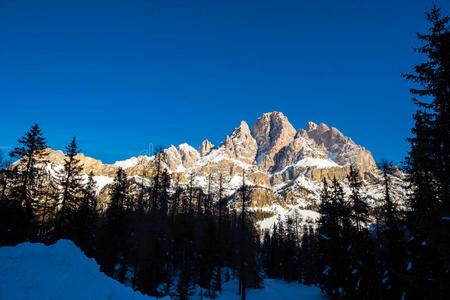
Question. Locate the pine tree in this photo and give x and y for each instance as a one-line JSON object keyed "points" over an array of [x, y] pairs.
{"points": [[164, 197], [361, 247], [429, 155], [209, 198], [219, 239], [335, 242], [185, 282], [393, 242], [308, 261], [176, 200], [70, 180], [113, 241], [31, 153], [247, 237], [142, 203], [190, 196], [200, 200], [155, 191], [275, 251], [49, 195], [290, 256], [428, 162], [86, 217], [360, 209]]}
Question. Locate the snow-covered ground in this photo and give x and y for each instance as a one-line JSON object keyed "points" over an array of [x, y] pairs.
{"points": [[62, 271], [274, 289]]}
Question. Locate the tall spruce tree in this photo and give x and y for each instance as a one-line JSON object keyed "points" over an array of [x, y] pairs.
{"points": [[393, 242], [360, 209], [86, 217], [335, 232], [165, 187], [427, 164], [112, 243], [361, 246], [31, 153], [329, 241], [49, 197], [248, 243], [70, 180], [155, 191]]}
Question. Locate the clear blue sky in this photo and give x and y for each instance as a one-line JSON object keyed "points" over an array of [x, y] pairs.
{"points": [[123, 74]]}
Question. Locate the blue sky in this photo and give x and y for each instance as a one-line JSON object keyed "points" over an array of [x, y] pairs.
{"points": [[123, 74]]}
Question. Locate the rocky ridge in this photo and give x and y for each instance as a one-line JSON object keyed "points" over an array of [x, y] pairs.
{"points": [[286, 163]]}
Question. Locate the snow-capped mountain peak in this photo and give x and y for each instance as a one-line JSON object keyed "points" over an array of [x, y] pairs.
{"points": [[288, 163]]}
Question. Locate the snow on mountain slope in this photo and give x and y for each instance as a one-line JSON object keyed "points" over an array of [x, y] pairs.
{"points": [[60, 271], [133, 161], [316, 162], [303, 216], [101, 181]]}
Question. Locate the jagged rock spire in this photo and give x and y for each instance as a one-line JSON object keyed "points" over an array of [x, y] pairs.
{"points": [[272, 131], [241, 145], [205, 148]]}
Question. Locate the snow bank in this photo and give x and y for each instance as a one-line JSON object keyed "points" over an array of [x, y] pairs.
{"points": [[60, 271]]}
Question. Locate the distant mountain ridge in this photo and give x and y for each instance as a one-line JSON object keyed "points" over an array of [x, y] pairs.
{"points": [[287, 164], [272, 147]]}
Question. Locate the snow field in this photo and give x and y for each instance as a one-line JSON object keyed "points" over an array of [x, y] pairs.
{"points": [[61, 271]]}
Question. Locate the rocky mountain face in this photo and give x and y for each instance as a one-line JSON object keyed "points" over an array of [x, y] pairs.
{"points": [[273, 156], [273, 149], [272, 132]]}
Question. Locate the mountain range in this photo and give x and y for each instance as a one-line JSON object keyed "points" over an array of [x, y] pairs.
{"points": [[285, 166]]}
